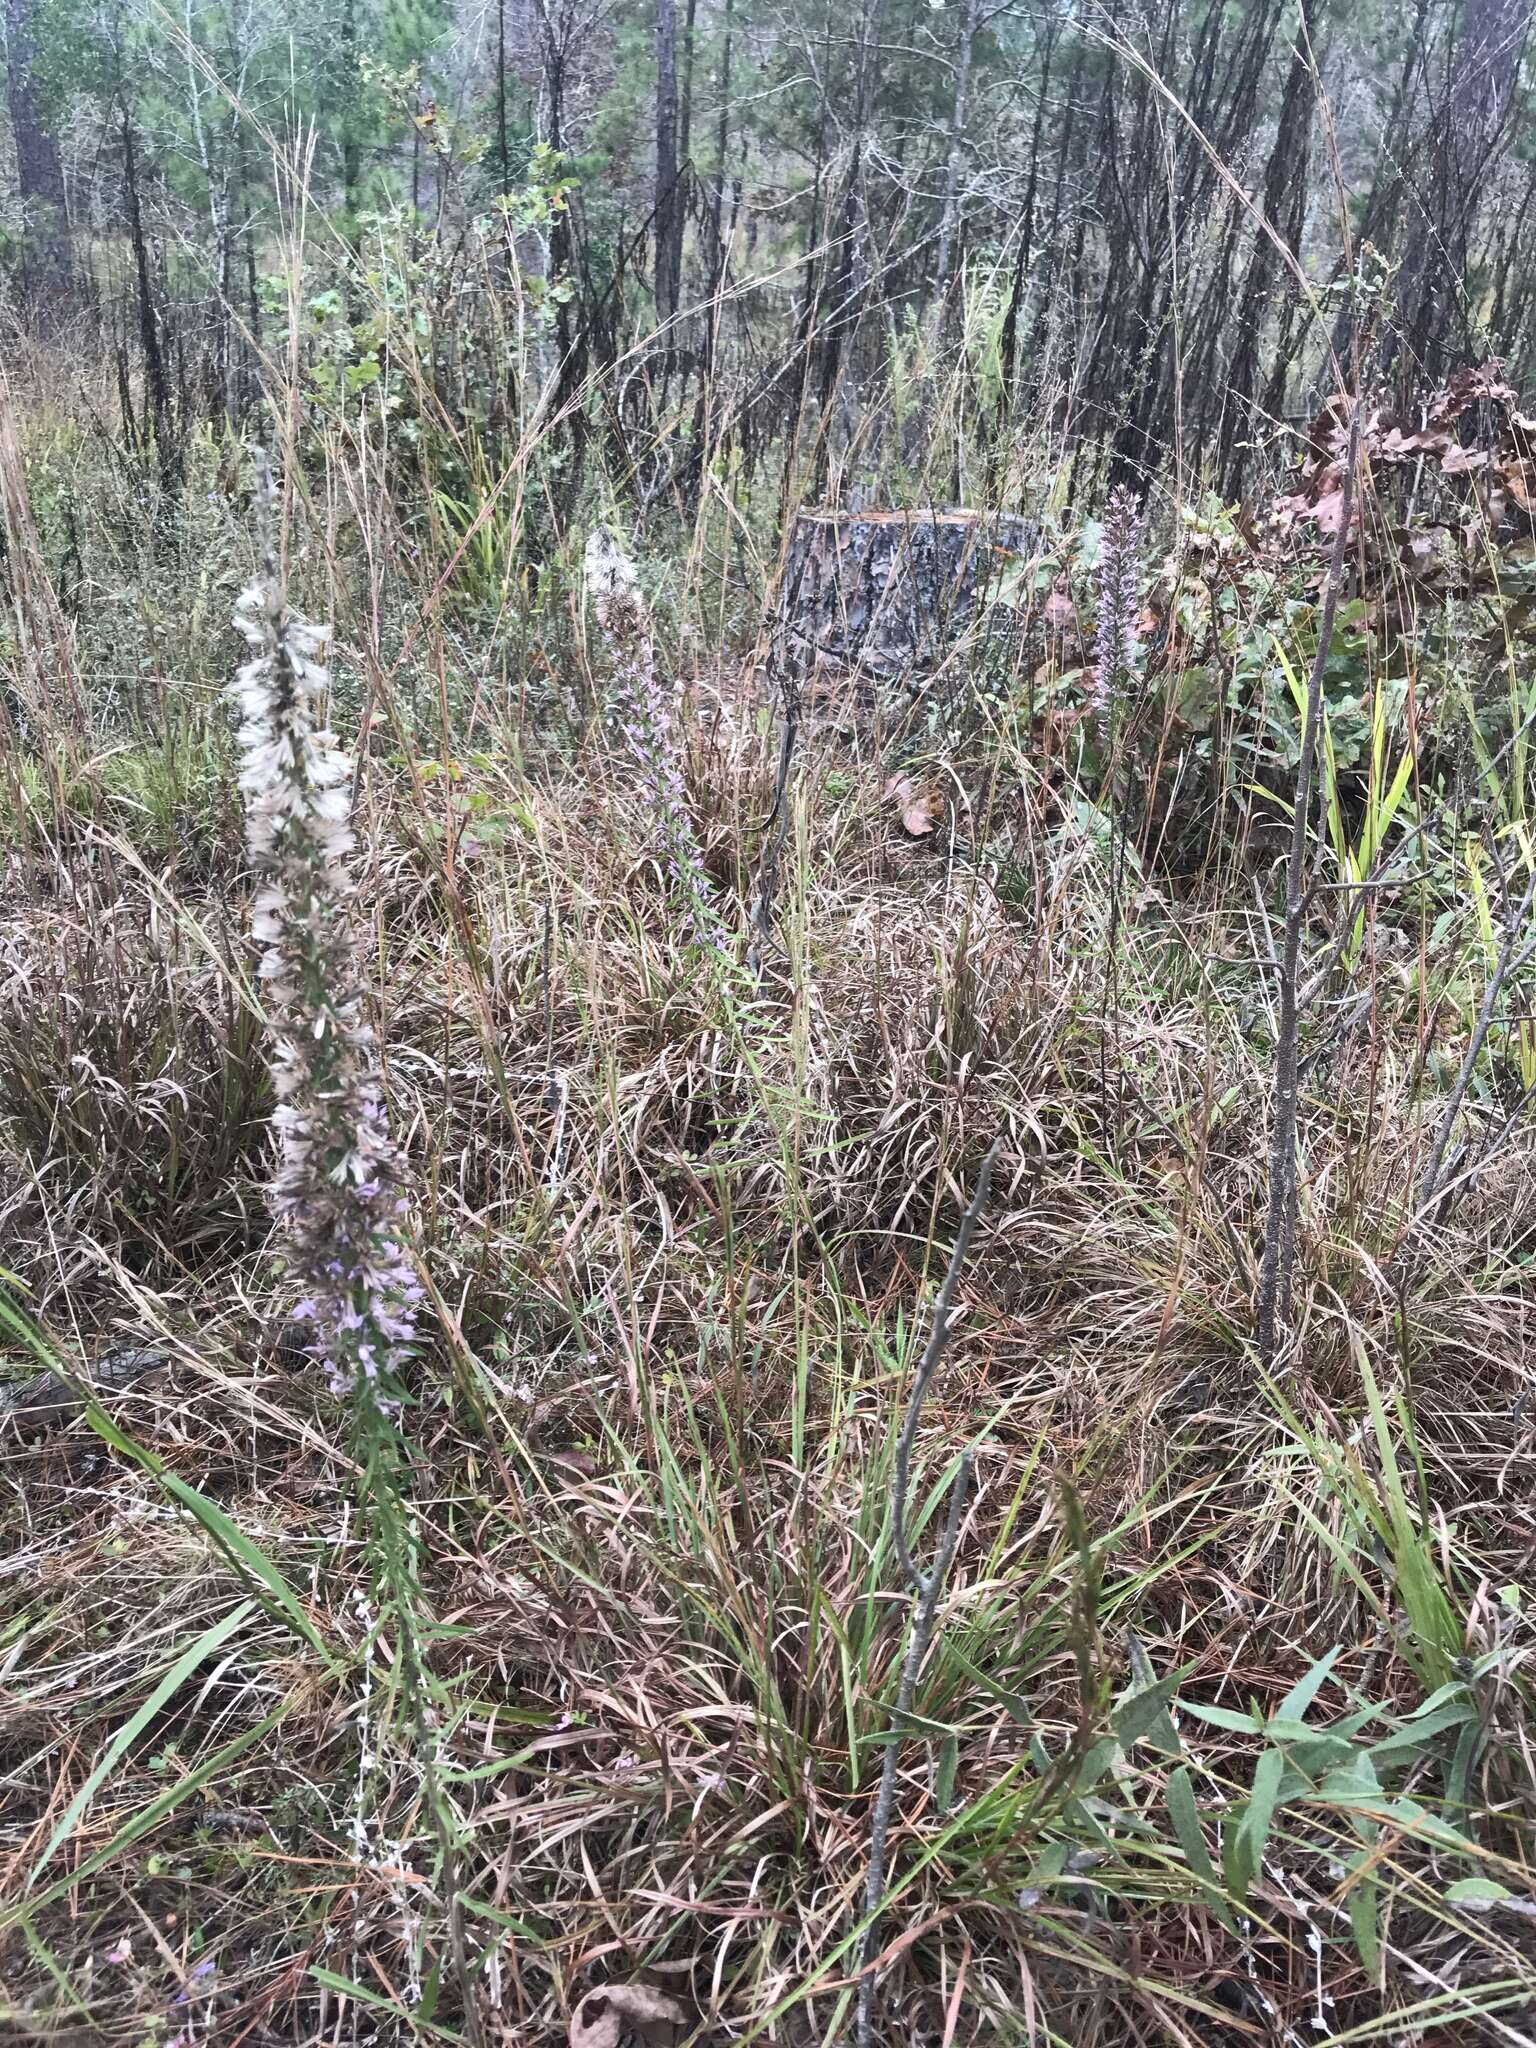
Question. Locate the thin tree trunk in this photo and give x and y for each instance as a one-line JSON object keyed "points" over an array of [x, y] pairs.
{"points": [[351, 153], [1285, 184], [949, 219], [668, 212], [501, 94], [156, 379], [1485, 60], [1009, 399], [722, 143]]}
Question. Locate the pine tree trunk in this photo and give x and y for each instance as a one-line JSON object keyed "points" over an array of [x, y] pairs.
{"points": [[39, 168], [888, 592]]}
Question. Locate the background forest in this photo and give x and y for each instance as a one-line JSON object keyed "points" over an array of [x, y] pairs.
{"points": [[1110, 203], [767, 937]]}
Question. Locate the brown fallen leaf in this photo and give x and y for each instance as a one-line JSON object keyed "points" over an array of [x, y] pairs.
{"points": [[1521, 479], [920, 809], [624, 2013], [581, 1463]]}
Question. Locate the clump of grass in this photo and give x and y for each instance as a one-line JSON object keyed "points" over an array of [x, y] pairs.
{"points": [[135, 1095]]}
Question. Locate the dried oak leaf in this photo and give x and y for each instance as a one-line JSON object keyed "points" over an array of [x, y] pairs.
{"points": [[920, 808], [1404, 445], [1521, 479], [1329, 510], [619, 2014]]}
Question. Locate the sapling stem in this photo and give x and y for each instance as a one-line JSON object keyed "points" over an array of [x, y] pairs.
{"points": [[1278, 1261], [926, 1586]]}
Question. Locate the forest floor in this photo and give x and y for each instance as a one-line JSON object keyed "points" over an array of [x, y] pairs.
{"points": [[1224, 1733]]}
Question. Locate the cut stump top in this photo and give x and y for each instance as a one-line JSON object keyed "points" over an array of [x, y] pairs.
{"points": [[889, 591]]}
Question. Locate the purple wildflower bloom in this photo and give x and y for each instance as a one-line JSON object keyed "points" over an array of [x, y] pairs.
{"points": [[646, 721], [1118, 610], [338, 1191]]}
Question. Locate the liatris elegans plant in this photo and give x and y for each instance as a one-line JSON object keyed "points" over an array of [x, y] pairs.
{"points": [[647, 722], [1115, 590], [338, 1190]]}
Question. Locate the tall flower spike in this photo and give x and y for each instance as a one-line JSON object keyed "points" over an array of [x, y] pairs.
{"points": [[338, 1190], [645, 718], [1115, 644]]}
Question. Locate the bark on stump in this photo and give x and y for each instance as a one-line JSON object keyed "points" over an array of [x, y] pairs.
{"points": [[888, 592]]}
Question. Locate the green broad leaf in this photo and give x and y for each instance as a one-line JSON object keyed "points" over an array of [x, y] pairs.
{"points": [[1185, 1815], [1143, 1715], [1442, 1694], [1469, 1747], [1417, 1735], [1224, 1717], [1354, 1780], [431, 1991], [1013, 1703], [1319, 1753], [1477, 1891], [1252, 1831], [1306, 1689], [1095, 1763], [1052, 1862], [914, 1723], [1295, 1731], [1412, 1818], [1362, 1901], [944, 1776], [1235, 1875]]}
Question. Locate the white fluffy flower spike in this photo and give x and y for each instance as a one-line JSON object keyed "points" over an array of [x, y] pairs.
{"points": [[338, 1188]]}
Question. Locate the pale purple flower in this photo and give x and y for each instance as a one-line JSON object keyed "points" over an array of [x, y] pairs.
{"points": [[338, 1191], [646, 721], [1118, 610]]}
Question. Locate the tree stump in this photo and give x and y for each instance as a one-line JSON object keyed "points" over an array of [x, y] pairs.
{"points": [[888, 593]]}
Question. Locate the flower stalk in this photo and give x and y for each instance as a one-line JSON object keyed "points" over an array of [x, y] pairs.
{"points": [[338, 1190], [1115, 644], [647, 723]]}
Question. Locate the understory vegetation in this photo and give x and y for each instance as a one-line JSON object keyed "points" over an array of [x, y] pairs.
{"points": [[708, 1340]]}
